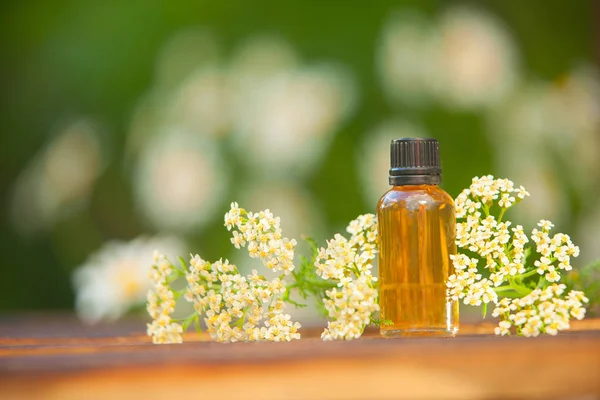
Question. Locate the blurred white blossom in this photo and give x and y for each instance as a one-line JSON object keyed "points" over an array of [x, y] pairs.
{"points": [[575, 102], [476, 59], [464, 58], [199, 105], [256, 61], [373, 158], [179, 181], [521, 120], [300, 213], [563, 114], [531, 165], [190, 91], [288, 126], [116, 277], [551, 199], [546, 136], [202, 104], [59, 179], [286, 114], [574, 120], [282, 113], [186, 51], [588, 232], [406, 57]]}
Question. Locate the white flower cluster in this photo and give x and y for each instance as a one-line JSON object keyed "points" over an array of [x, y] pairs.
{"points": [[467, 284], [494, 241], [161, 304], [482, 193], [349, 261], [541, 311], [234, 305], [537, 309], [556, 251], [261, 233]]}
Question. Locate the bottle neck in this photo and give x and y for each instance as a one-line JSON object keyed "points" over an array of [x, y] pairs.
{"points": [[404, 180]]}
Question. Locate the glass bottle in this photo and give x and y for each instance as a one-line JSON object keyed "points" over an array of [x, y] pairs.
{"points": [[417, 230]]}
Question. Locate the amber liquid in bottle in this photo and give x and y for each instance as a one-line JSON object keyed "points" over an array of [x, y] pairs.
{"points": [[416, 239]]}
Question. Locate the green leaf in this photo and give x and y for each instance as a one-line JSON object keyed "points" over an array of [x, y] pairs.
{"points": [[182, 262], [587, 280], [526, 255], [321, 308], [484, 310], [379, 322], [297, 305], [186, 323]]}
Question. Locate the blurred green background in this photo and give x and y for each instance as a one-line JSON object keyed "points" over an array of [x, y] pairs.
{"points": [[132, 118]]}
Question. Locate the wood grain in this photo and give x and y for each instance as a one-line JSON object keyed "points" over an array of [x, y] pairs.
{"points": [[56, 358]]}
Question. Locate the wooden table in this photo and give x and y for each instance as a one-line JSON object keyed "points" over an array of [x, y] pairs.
{"points": [[54, 357]]}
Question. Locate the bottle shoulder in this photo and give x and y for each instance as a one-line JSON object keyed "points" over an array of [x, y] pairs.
{"points": [[415, 194]]}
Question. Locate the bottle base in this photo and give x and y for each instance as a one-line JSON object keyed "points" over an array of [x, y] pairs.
{"points": [[419, 332]]}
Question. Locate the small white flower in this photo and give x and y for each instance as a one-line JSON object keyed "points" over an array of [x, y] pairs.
{"points": [[503, 328], [506, 201], [545, 225], [522, 193]]}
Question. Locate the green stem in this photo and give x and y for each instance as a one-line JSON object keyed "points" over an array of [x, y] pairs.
{"points": [[187, 321], [353, 268], [197, 325], [542, 282], [286, 298], [501, 214], [288, 289], [486, 210], [527, 274], [518, 288], [179, 271], [320, 284], [512, 295], [307, 284], [240, 322]]}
